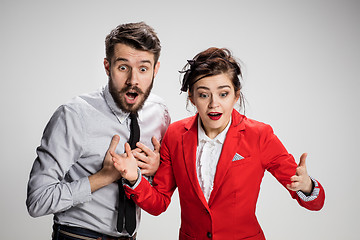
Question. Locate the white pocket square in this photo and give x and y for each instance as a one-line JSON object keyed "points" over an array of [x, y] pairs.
{"points": [[237, 157]]}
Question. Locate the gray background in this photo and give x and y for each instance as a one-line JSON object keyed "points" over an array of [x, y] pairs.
{"points": [[301, 76]]}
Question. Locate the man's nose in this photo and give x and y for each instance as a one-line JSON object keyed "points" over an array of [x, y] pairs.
{"points": [[133, 78]]}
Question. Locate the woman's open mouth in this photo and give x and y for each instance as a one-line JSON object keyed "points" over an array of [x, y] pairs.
{"points": [[214, 115]]}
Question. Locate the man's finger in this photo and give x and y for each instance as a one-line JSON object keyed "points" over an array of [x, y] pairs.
{"points": [[144, 148], [156, 144], [136, 150], [144, 172], [303, 160], [141, 165], [114, 142], [141, 156]]}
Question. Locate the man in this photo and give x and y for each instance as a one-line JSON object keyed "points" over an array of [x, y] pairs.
{"points": [[73, 176]]}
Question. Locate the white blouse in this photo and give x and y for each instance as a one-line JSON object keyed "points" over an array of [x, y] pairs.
{"points": [[207, 157]]}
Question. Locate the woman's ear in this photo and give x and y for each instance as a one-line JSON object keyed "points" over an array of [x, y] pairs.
{"points": [[237, 95], [190, 96]]}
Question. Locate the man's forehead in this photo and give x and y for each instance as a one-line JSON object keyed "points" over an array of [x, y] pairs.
{"points": [[125, 53]]}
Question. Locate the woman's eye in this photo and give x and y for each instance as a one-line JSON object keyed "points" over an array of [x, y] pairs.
{"points": [[204, 95], [223, 94]]}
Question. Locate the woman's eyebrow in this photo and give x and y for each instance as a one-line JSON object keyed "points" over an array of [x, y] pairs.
{"points": [[219, 87], [224, 86], [202, 87]]}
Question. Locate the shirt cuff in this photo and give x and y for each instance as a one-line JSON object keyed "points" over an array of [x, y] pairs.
{"points": [[81, 191], [126, 182], [150, 179], [313, 195]]}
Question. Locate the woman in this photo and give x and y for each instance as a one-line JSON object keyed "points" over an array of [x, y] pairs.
{"points": [[217, 159]]}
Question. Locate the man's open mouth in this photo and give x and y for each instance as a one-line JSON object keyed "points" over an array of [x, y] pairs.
{"points": [[131, 97]]}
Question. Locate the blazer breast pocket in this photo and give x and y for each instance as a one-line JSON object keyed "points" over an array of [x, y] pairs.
{"points": [[239, 160]]}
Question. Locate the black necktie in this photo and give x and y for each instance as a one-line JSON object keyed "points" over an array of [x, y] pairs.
{"points": [[127, 206]]}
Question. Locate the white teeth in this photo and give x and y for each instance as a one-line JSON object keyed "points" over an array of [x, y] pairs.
{"points": [[131, 95]]}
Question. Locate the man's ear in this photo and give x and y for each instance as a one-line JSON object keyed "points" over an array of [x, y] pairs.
{"points": [[156, 68], [107, 66]]}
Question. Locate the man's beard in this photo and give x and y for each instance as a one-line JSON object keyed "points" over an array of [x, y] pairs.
{"points": [[119, 96]]}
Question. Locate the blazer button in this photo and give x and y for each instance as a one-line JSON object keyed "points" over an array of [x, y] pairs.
{"points": [[132, 195], [209, 235]]}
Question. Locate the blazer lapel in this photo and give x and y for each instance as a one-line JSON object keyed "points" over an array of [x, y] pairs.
{"points": [[189, 142], [228, 151]]}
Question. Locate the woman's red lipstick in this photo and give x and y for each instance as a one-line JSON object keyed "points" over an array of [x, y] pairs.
{"points": [[214, 115]]}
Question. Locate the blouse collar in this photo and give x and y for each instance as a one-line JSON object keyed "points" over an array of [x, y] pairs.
{"points": [[220, 138]]}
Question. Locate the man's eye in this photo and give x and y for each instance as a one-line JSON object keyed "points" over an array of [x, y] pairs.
{"points": [[143, 69], [122, 68]]}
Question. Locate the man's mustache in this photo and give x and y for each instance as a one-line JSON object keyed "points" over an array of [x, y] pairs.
{"points": [[130, 87]]}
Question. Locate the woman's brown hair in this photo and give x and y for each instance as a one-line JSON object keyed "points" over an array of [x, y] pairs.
{"points": [[210, 62]]}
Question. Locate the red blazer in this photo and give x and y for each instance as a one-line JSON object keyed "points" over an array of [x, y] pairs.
{"points": [[230, 213]]}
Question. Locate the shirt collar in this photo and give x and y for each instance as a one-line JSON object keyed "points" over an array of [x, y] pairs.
{"points": [[220, 138], [120, 114]]}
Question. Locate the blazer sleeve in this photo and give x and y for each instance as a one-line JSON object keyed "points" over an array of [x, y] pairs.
{"points": [[282, 166], [155, 199]]}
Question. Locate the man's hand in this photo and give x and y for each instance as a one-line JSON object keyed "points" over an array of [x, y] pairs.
{"points": [[108, 174], [301, 180], [148, 160], [126, 164]]}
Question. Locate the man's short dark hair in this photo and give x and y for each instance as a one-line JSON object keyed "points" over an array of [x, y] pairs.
{"points": [[137, 35]]}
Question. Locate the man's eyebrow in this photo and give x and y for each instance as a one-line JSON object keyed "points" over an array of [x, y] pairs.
{"points": [[126, 60], [146, 61], [121, 60]]}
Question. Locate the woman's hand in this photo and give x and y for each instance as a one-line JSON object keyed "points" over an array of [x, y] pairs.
{"points": [[301, 180], [126, 164]]}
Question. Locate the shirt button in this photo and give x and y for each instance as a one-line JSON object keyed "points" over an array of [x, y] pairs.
{"points": [[209, 235]]}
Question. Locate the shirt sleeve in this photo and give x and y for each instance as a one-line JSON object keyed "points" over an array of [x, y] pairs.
{"points": [[49, 189], [166, 120], [314, 194]]}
